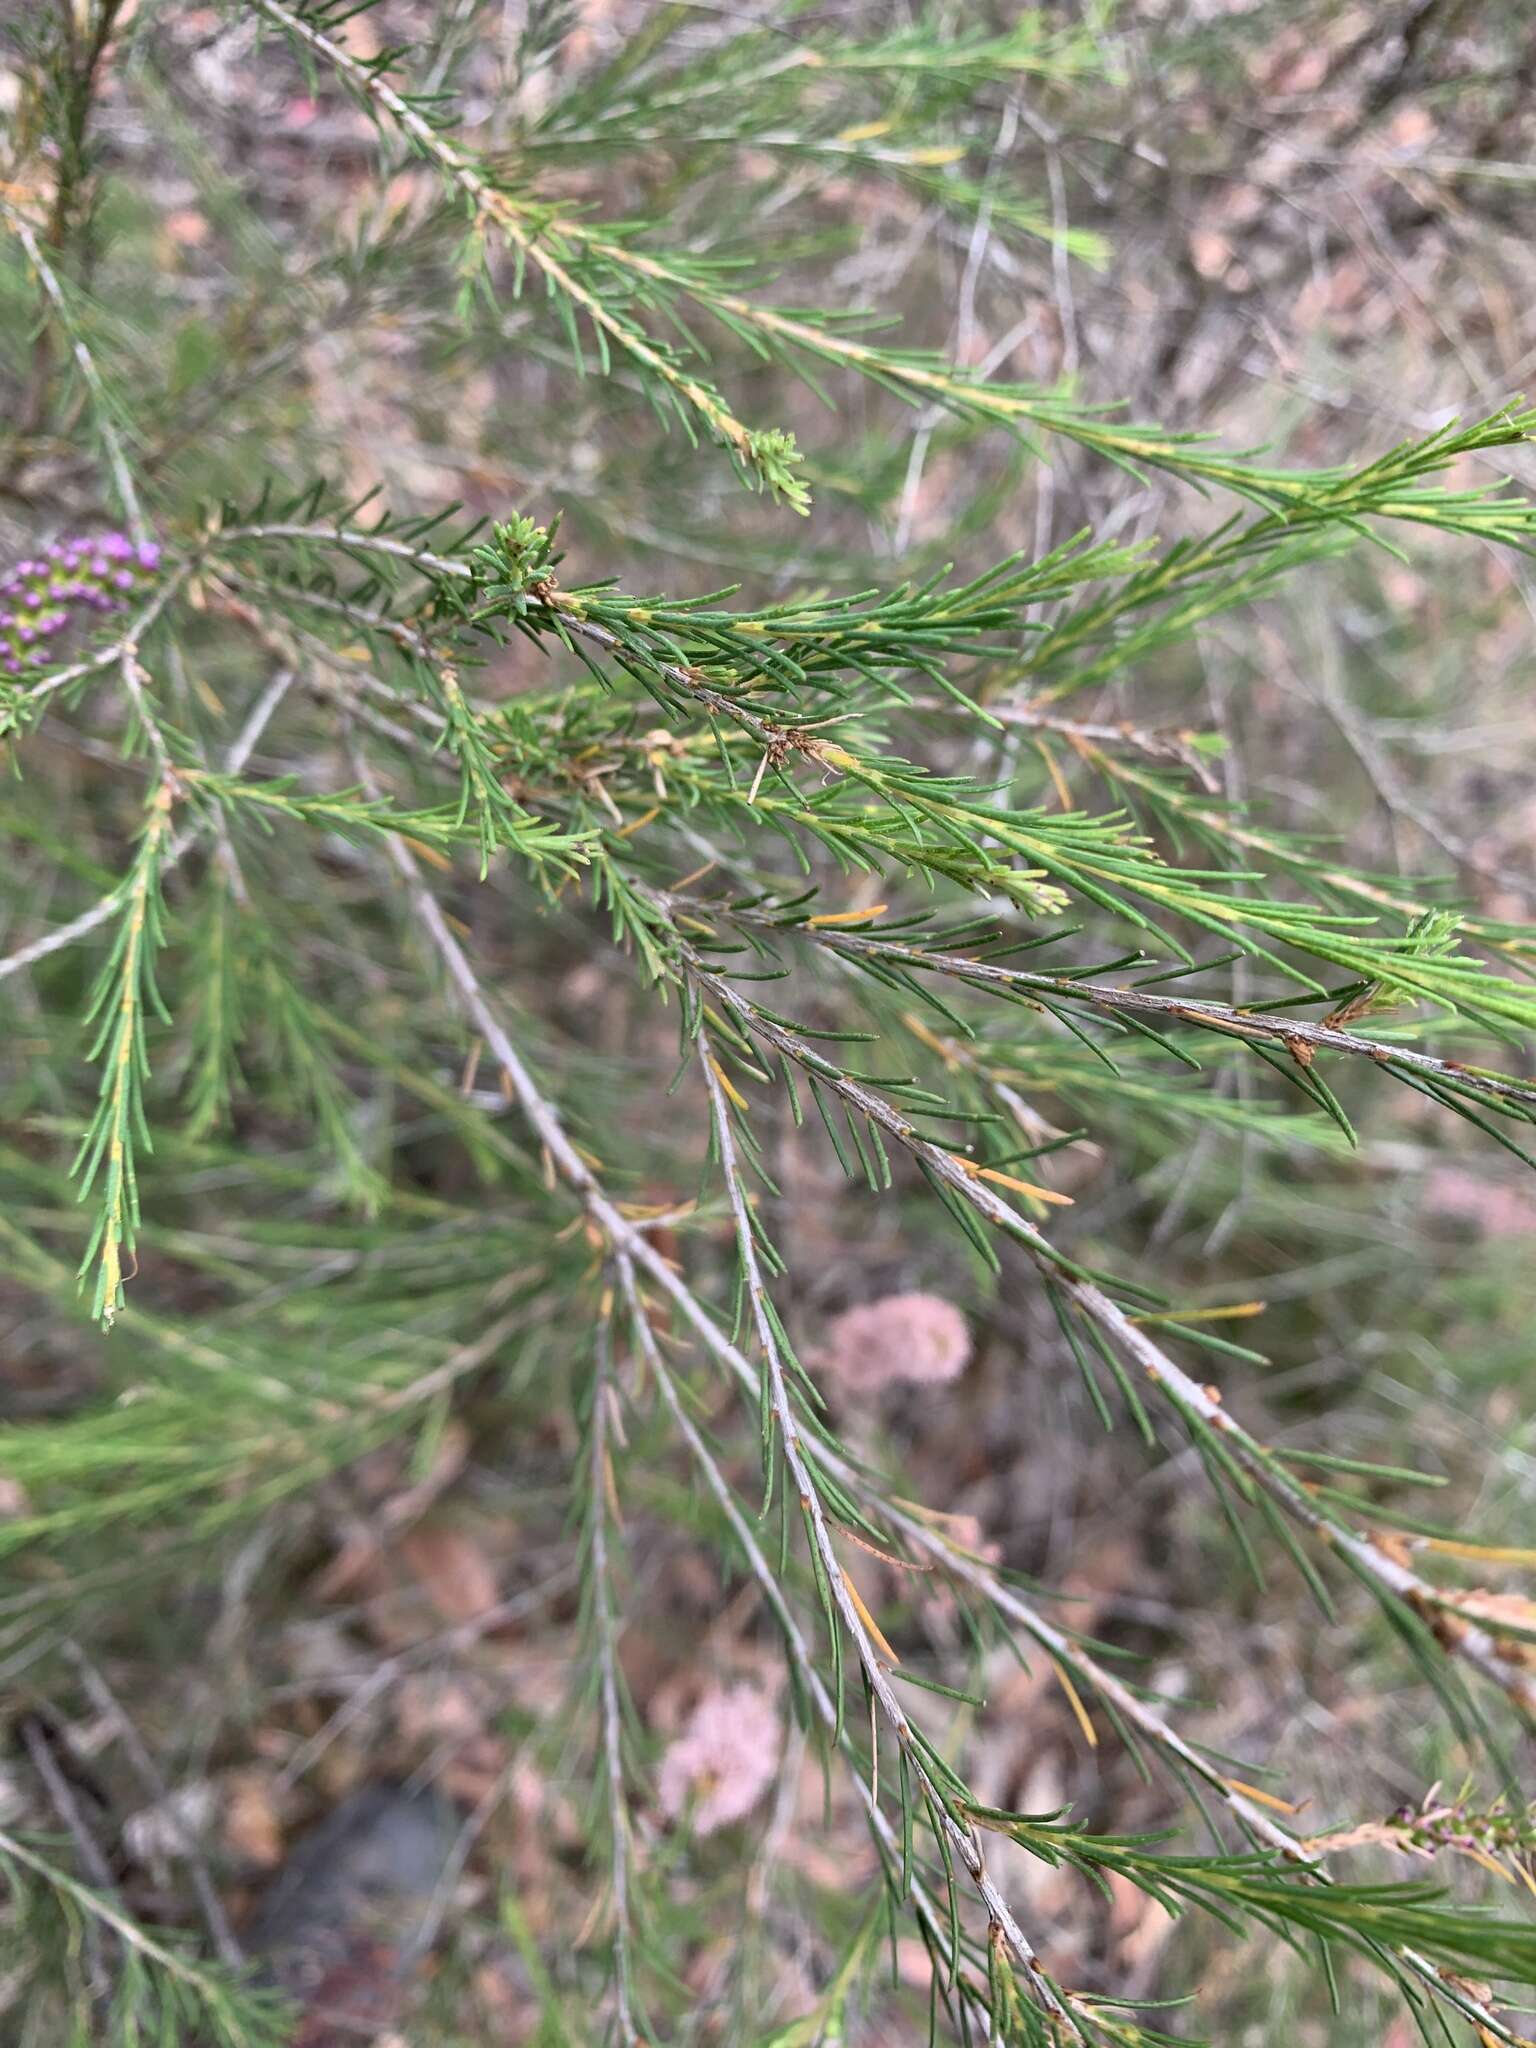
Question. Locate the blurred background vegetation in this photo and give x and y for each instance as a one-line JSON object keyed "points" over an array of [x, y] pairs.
{"points": [[1301, 227]]}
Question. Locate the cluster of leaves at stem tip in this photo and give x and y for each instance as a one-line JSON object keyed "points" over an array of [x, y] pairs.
{"points": [[698, 774]]}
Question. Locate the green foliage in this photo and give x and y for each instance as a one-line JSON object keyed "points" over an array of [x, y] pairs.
{"points": [[124, 991], [384, 765], [158, 1992]]}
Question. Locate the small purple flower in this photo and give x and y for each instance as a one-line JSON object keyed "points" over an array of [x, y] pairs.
{"points": [[75, 575]]}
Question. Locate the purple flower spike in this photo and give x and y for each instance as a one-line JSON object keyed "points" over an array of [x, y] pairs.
{"points": [[73, 577]]}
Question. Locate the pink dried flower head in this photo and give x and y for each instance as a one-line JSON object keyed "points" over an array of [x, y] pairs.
{"points": [[1497, 1211], [724, 1760], [917, 1337]]}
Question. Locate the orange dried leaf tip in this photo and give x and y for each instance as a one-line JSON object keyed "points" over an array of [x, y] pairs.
{"points": [[931, 1039], [1023, 1187], [872, 1627], [1233, 1313], [1484, 1553], [694, 875], [1058, 780], [724, 1079], [611, 1488], [901, 1564], [1075, 1702], [639, 824], [848, 916], [1264, 1798], [1489, 1863]]}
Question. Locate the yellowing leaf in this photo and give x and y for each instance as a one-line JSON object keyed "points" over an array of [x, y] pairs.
{"points": [[872, 1627], [849, 916]]}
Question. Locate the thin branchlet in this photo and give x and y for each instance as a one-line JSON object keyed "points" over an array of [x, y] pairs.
{"points": [[601, 1503], [765, 748], [579, 262], [1499, 1660], [845, 1609]]}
